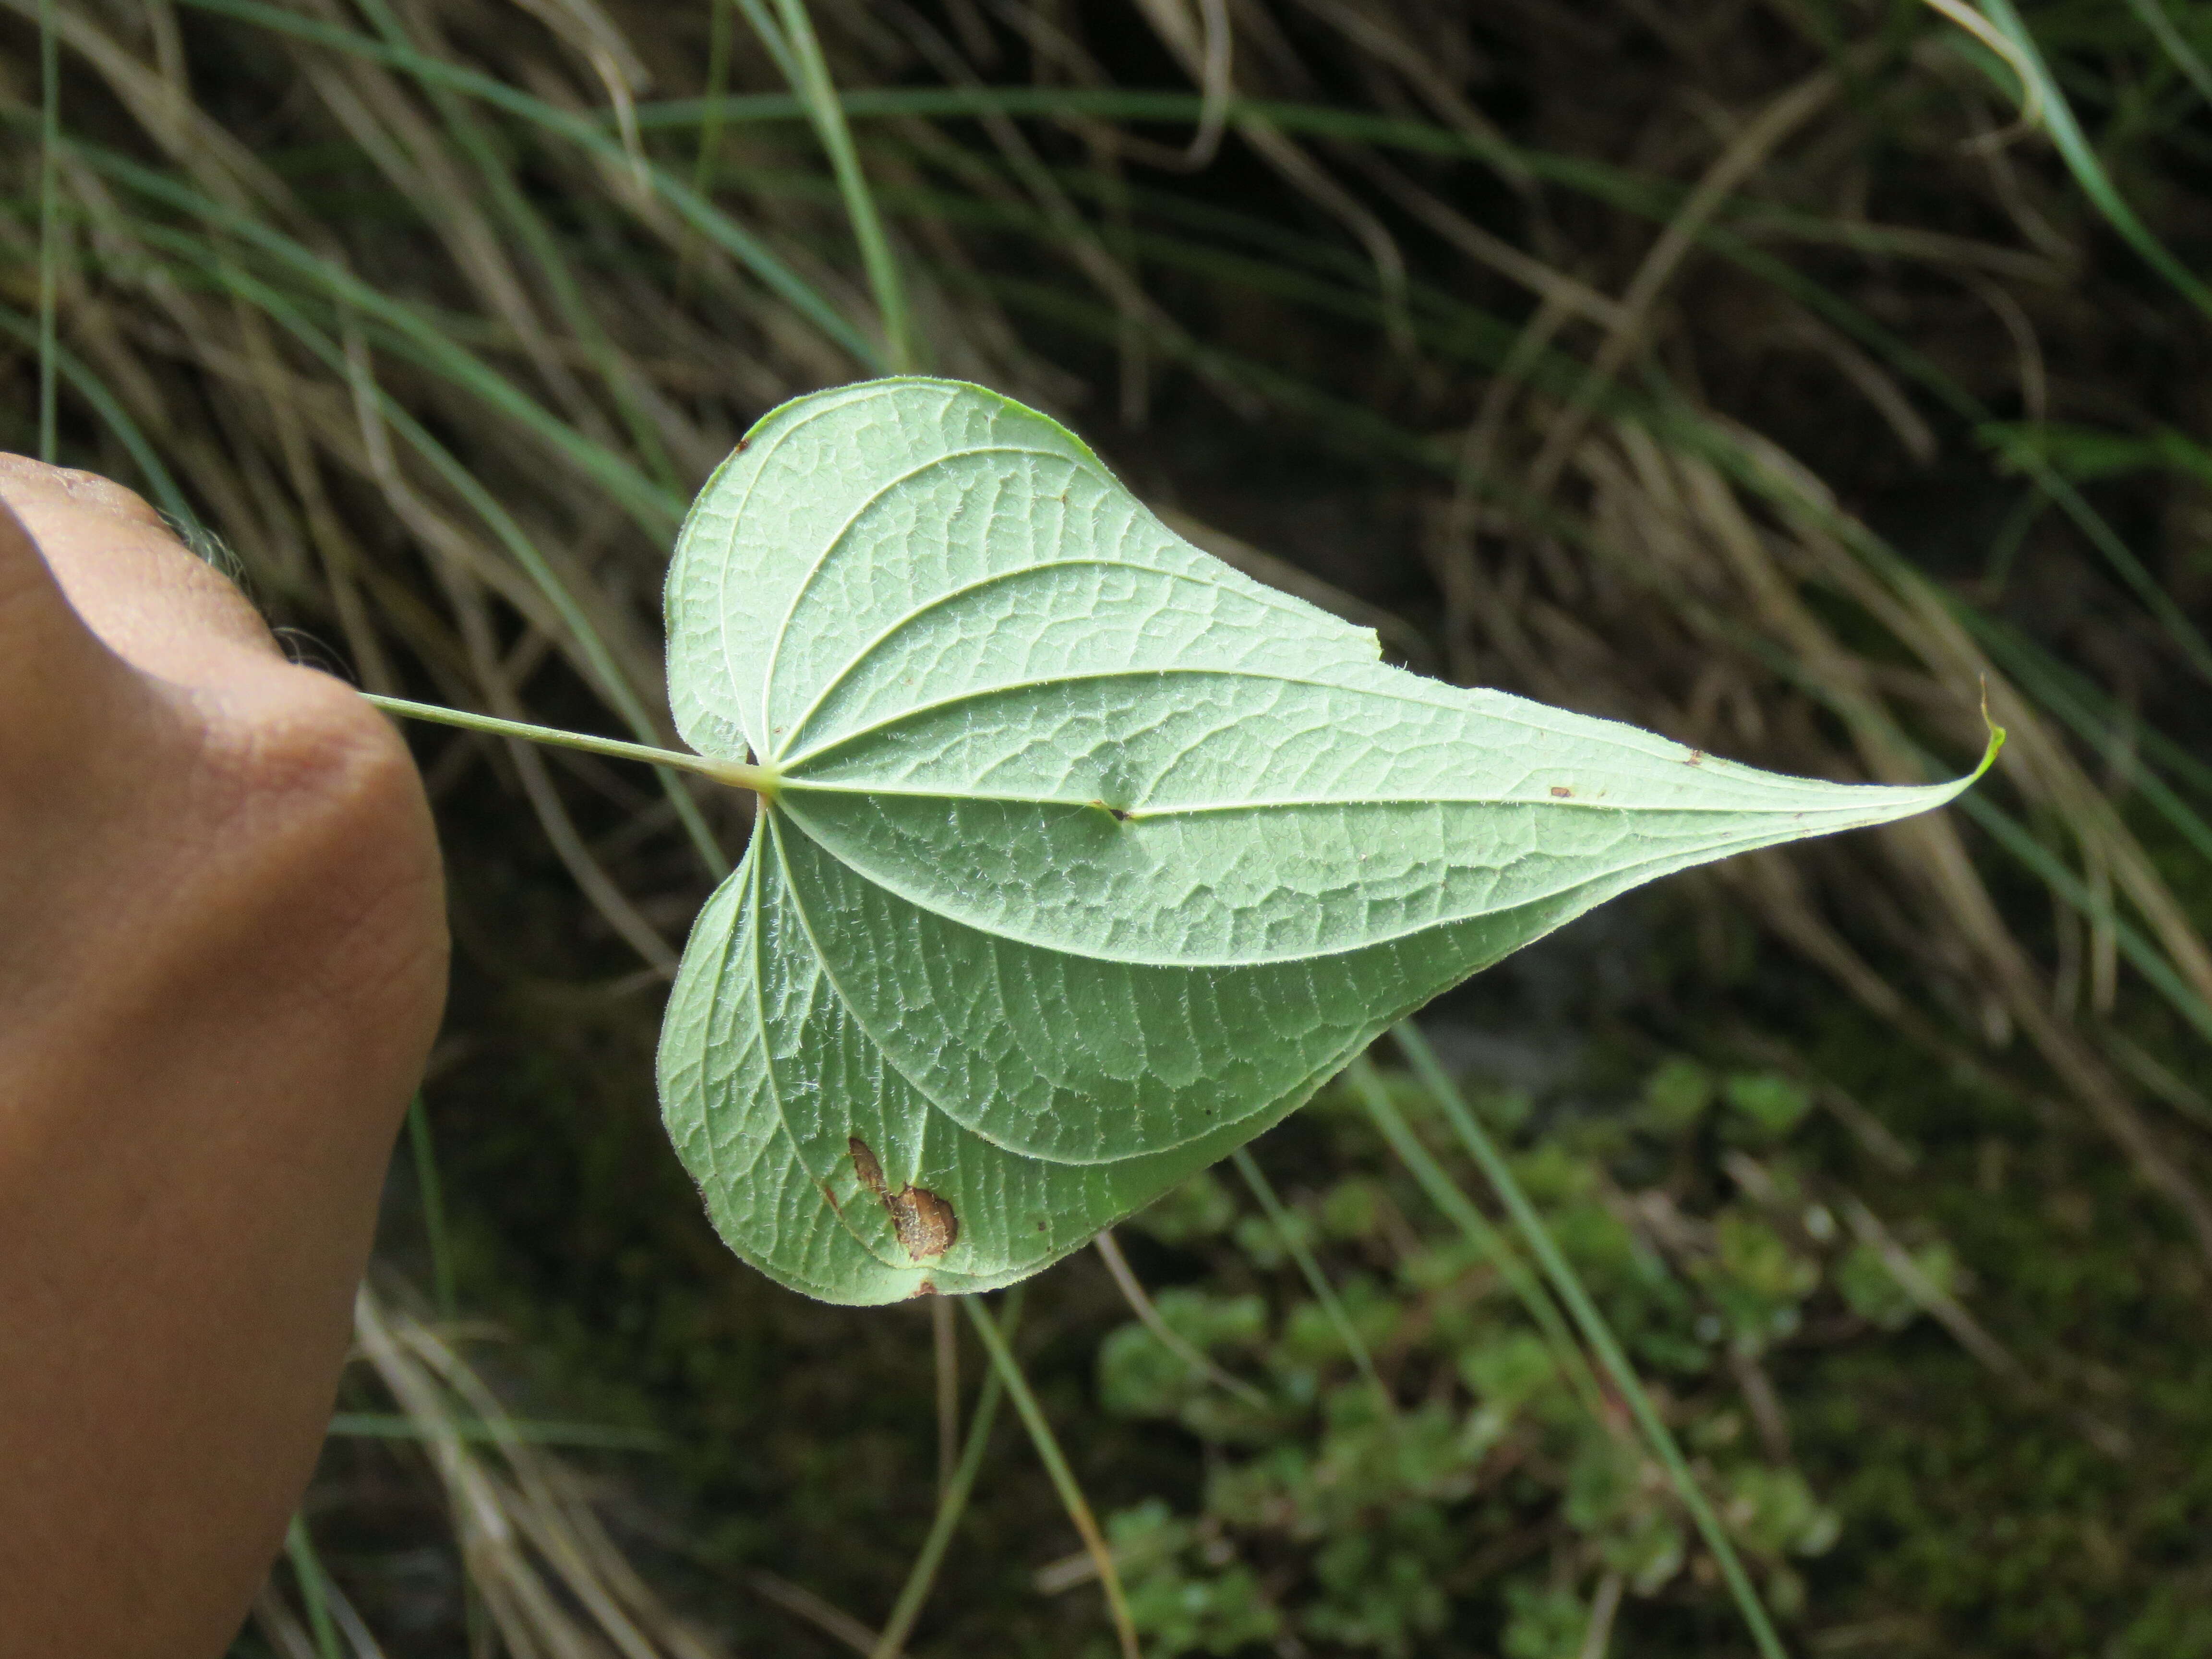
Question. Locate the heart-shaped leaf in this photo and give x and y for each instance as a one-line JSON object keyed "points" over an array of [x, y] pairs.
{"points": [[1083, 858]]}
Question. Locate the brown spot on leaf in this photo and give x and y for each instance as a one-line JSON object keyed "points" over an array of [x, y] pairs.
{"points": [[1560, 792], [925, 1222], [1697, 758], [925, 1288], [864, 1164], [1119, 815]]}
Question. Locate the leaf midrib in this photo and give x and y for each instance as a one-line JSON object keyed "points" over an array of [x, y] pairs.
{"points": [[932, 907], [1780, 781], [786, 785]]}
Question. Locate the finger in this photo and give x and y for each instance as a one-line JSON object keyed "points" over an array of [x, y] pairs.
{"points": [[134, 584], [63, 695], [42, 639]]}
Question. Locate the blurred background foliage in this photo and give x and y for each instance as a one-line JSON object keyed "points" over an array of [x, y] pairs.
{"points": [[1776, 374]]}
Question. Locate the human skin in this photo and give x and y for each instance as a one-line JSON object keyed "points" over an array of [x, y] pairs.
{"points": [[223, 960]]}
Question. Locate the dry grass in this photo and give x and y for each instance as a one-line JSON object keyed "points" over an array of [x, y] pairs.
{"points": [[552, 1585]]}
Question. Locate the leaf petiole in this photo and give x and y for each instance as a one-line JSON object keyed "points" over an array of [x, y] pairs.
{"points": [[761, 780]]}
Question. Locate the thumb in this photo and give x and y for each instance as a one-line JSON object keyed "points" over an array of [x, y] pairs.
{"points": [[63, 695], [106, 555], [45, 648]]}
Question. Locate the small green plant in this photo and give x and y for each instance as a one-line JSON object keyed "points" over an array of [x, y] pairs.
{"points": [[1501, 1500], [1081, 858]]}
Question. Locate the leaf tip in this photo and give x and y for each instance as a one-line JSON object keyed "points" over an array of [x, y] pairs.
{"points": [[1997, 736]]}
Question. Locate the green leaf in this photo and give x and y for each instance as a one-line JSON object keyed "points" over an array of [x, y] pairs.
{"points": [[1082, 858]]}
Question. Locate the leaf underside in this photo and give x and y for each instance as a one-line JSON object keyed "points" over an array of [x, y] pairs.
{"points": [[1091, 858]]}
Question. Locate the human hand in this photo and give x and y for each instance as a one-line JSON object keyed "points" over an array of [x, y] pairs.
{"points": [[223, 960]]}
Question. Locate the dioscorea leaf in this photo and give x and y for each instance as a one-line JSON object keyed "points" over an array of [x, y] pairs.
{"points": [[1081, 858]]}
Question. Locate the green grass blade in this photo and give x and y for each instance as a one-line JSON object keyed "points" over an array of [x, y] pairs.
{"points": [[2023, 454], [2065, 687], [398, 1425], [431, 1192], [2082, 162], [656, 510], [159, 482], [1148, 1315], [2102, 724], [1647, 196], [779, 53], [952, 1502], [614, 684], [308, 1569], [1569, 1286], [1332, 1305], [828, 115], [2146, 959], [722, 30], [1444, 1193], [529, 225], [1009, 1371], [1685, 424], [2185, 57], [50, 225], [1120, 103], [716, 226]]}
